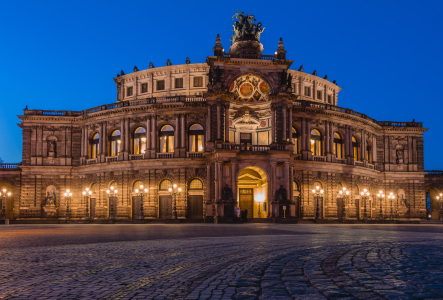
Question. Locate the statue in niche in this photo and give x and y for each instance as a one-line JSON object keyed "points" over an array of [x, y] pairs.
{"points": [[227, 194], [399, 154], [51, 148], [281, 195], [210, 79], [50, 198], [289, 80]]}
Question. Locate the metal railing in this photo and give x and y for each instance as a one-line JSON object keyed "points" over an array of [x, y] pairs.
{"points": [[4, 166], [165, 155], [111, 158], [136, 156], [250, 56], [319, 158], [195, 155]]}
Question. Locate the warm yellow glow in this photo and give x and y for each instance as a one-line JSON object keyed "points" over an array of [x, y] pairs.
{"points": [[347, 192], [136, 190], [365, 190], [107, 191], [362, 193], [170, 189], [312, 142], [67, 191], [141, 186], [4, 190], [381, 192], [313, 191], [87, 189], [340, 192], [146, 190], [84, 193], [378, 195], [90, 192], [9, 194], [118, 141], [144, 139], [70, 194], [174, 185], [317, 187], [179, 189], [200, 148], [321, 192], [112, 187], [367, 194], [115, 191], [344, 189], [65, 194]]}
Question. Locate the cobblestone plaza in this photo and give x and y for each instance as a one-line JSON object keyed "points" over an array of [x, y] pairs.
{"points": [[245, 261]]}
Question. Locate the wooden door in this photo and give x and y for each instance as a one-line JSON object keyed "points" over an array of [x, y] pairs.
{"points": [[320, 206], [92, 204], [113, 206], [246, 201], [136, 207], [9, 208], [165, 209], [195, 207], [340, 204]]}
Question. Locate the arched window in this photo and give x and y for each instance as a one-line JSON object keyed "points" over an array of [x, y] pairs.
{"points": [[196, 184], [368, 152], [315, 142], [137, 185], [93, 188], [295, 186], [295, 140], [114, 185], [165, 185], [318, 183], [115, 142], [95, 146], [355, 148], [196, 134], [338, 145], [167, 139], [139, 140]]}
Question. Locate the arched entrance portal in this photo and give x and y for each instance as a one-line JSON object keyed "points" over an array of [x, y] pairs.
{"points": [[252, 191]]}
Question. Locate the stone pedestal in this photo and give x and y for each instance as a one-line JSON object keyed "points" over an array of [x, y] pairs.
{"points": [[274, 209], [50, 211]]}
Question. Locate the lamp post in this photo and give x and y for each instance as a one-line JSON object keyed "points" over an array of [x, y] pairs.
{"points": [[141, 194], [380, 196], [365, 195], [68, 196], [111, 193], [440, 199], [4, 194], [317, 192], [344, 194], [391, 198], [87, 194], [173, 192]]}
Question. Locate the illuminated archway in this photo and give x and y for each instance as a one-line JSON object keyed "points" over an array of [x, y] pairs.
{"points": [[252, 191]]}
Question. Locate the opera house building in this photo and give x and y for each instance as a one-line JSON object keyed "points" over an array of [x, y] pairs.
{"points": [[205, 141]]}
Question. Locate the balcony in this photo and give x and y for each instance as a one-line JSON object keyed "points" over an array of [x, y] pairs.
{"points": [[319, 158], [165, 155], [136, 156], [195, 155], [111, 158], [91, 161], [9, 167], [358, 163], [340, 160]]}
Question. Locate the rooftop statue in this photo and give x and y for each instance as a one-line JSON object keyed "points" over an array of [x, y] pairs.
{"points": [[245, 28]]}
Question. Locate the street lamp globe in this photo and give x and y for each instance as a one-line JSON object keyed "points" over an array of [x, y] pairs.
{"points": [[65, 194], [84, 193]]}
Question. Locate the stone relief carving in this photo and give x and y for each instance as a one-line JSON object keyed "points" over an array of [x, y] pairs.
{"points": [[399, 153], [281, 195]]}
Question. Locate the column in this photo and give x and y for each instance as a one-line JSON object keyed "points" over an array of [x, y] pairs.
{"points": [[122, 134], [301, 88], [148, 133], [290, 122], [326, 137], [291, 180], [308, 134], [273, 123], [288, 186], [218, 120], [208, 182], [227, 122], [154, 133], [216, 181], [331, 137], [374, 149], [127, 136], [105, 139], [233, 180], [283, 110], [183, 132], [350, 142], [303, 135], [82, 145], [363, 145], [177, 132], [208, 124], [100, 142], [86, 142]]}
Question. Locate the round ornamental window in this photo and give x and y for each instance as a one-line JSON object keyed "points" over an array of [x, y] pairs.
{"points": [[249, 88]]}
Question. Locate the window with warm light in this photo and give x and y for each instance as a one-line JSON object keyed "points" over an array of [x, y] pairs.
{"points": [[196, 135], [355, 148], [136, 185], [166, 139], [195, 184], [338, 145], [139, 140], [315, 142], [295, 140], [95, 145], [114, 141], [165, 185]]}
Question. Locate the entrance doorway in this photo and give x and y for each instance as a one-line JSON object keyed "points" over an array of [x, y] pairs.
{"points": [[165, 209], [252, 192], [136, 207], [92, 204], [195, 207]]}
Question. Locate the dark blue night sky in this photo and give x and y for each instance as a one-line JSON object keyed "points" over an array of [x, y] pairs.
{"points": [[63, 54]]}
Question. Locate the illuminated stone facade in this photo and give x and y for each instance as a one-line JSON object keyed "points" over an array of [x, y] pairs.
{"points": [[240, 125]]}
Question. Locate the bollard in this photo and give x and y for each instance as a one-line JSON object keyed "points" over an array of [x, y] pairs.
{"points": [[7, 222]]}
